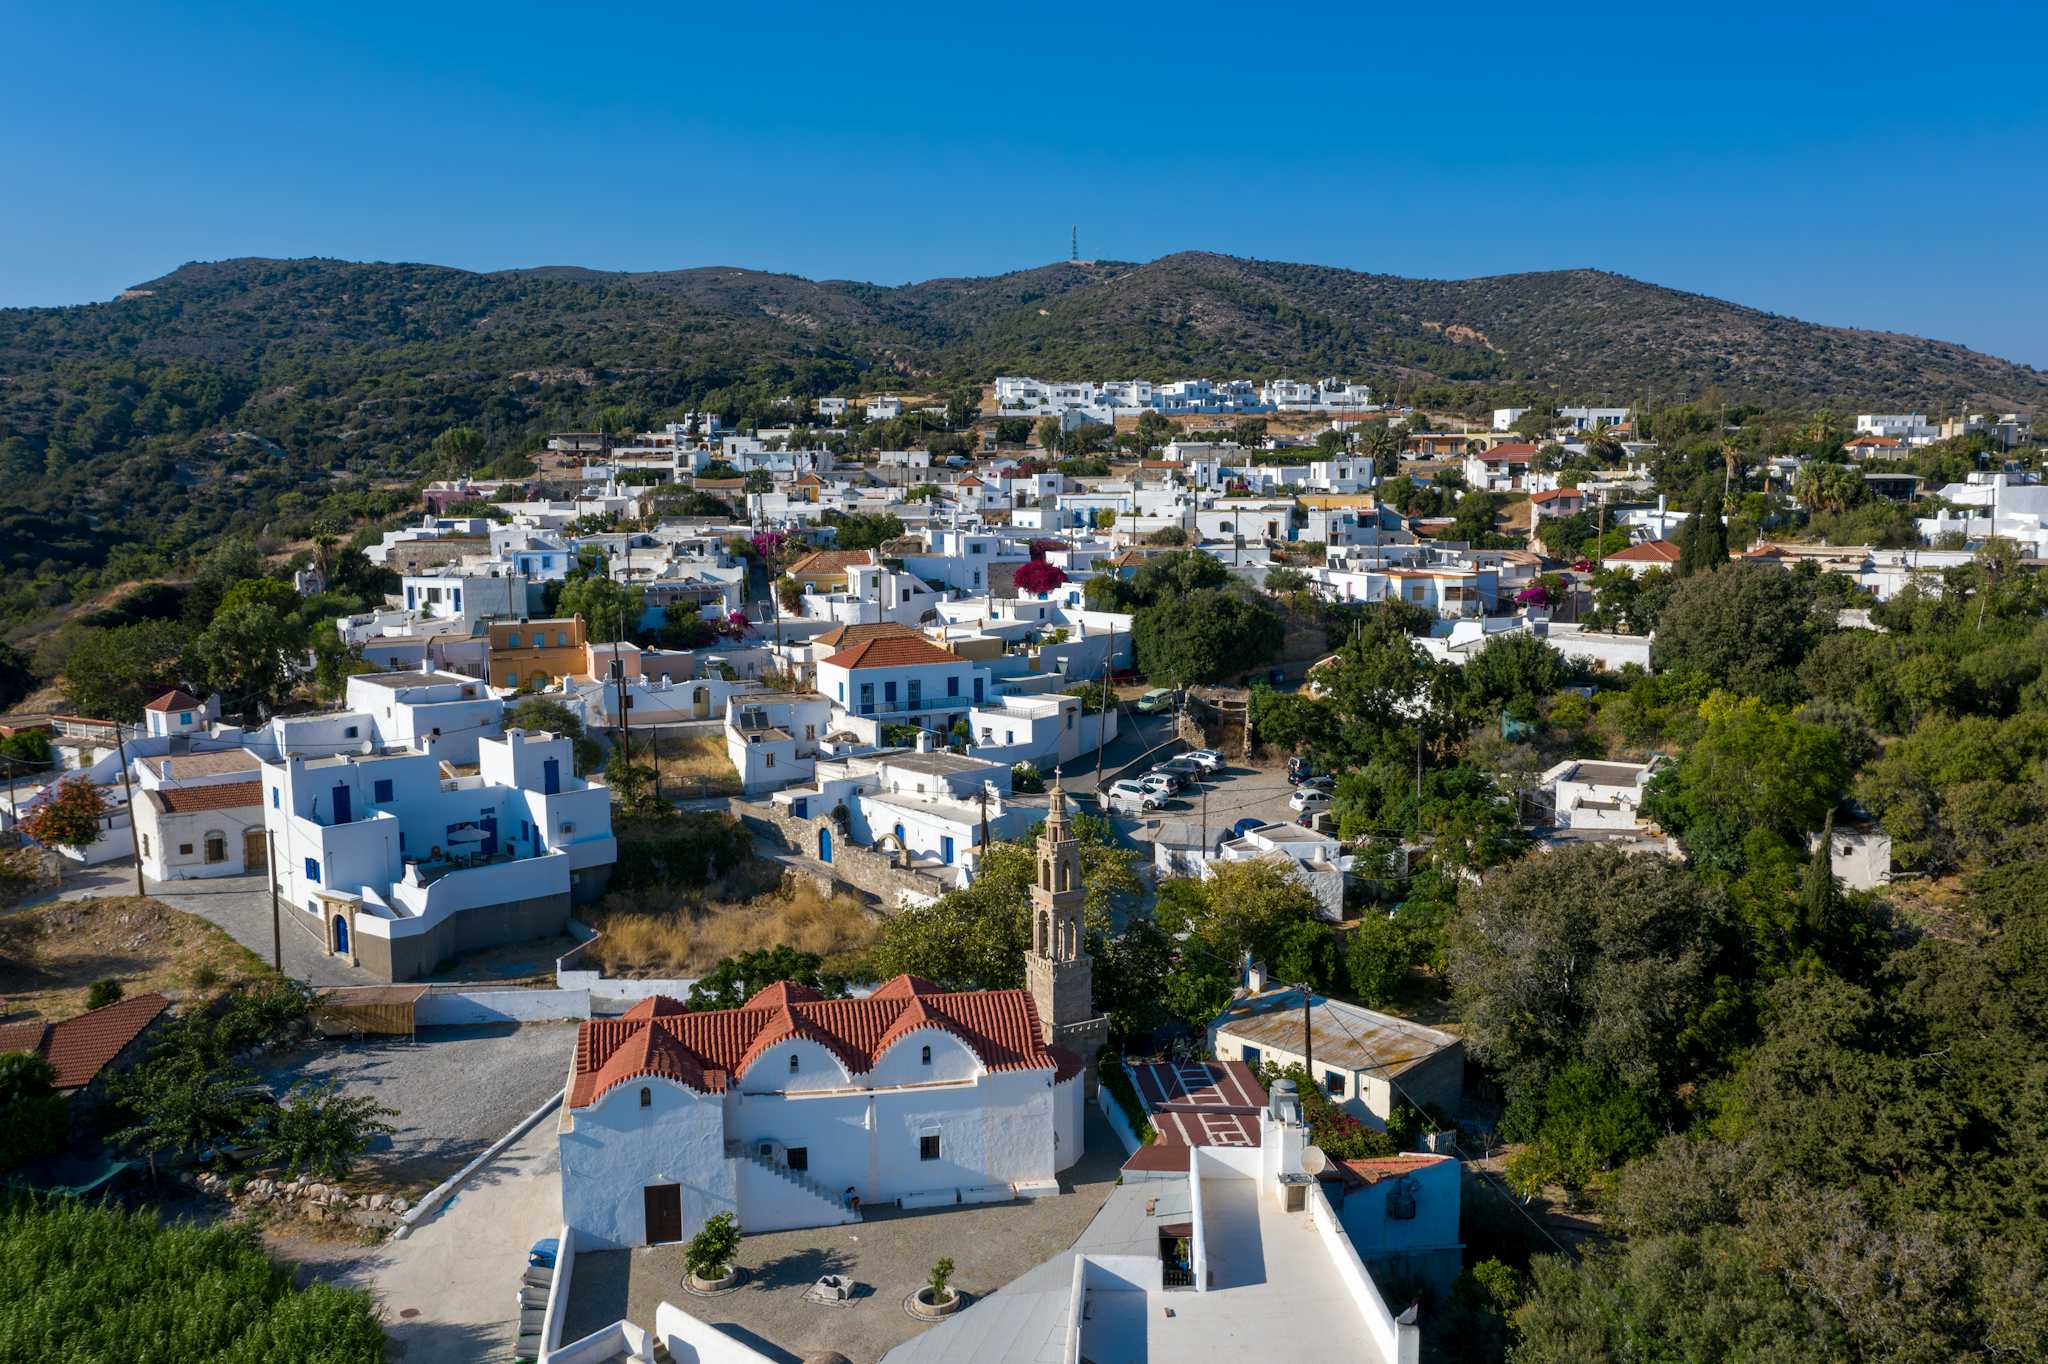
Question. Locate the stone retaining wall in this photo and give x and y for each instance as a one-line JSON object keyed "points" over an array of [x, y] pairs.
{"points": [[308, 1198], [852, 867]]}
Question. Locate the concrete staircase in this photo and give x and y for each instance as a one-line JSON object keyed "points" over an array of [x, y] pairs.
{"points": [[533, 1307], [831, 1205]]}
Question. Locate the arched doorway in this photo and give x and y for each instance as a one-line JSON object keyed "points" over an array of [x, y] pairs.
{"points": [[340, 936], [824, 845]]}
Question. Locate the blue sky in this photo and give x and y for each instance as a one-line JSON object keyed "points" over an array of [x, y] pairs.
{"points": [[1868, 166]]}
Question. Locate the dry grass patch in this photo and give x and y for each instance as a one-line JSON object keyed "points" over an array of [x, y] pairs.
{"points": [[652, 934], [692, 765], [51, 955]]}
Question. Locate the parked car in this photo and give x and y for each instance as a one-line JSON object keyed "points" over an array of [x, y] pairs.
{"points": [[1187, 769], [1306, 798], [1209, 759], [1160, 784], [1325, 782], [1154, 701], [1246, 825], [1129, 795], [1174, 780]]}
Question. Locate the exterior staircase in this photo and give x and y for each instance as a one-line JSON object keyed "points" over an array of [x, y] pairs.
{"points": [[533, 1307], [833, 1206]]}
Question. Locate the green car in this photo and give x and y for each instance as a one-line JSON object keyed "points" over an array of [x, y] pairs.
{"points": [[1154, 701]]}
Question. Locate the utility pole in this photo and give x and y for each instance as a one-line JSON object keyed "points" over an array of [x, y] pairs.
{"points": [[1308, 1045], [128, 787], [1102, 716], [276, 933]]}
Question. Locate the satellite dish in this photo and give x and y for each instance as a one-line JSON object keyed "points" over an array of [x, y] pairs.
{"points": [[366, 748], [1313, 1160]]}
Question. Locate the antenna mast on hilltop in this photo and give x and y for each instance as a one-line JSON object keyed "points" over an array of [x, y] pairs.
{"points": [[1074, 250]]}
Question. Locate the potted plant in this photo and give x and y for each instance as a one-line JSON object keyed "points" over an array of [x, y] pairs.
{"points": [[709, 1255], [937, 1298]]}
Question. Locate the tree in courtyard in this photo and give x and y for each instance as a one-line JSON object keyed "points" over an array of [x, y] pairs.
{"points": [[183, 1103], [1204, 636], [608, 609], [70, 817], [710, 1253]]}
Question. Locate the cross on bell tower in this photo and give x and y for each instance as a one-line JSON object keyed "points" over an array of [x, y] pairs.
{"points": [[1057, 969]]}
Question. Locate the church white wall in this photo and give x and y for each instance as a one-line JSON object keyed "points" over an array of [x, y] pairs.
{"points": [[999, 1132], [616, 1147], [1070, 1118]]}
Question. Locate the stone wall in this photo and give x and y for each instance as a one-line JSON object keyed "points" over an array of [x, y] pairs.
{"points": [[417, 955], [308, 1198], [852, 867]]}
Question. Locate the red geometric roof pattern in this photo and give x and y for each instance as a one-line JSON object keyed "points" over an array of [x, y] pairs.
{"points": [[707, 1050], [892, 652]]}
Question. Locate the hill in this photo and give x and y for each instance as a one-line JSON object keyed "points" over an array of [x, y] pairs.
{"points": [[232, 394]]}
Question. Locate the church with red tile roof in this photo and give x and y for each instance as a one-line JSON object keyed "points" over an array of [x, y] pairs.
{"points": [[795, 1110]]}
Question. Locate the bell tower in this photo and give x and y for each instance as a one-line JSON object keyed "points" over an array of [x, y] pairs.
{"points": [[1057, 968]]}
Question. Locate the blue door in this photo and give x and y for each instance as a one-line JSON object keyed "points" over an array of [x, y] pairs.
{"points": [[489, 824], [946, 850], [343, 812], [824, 845], [340, 934], [551, 777]]}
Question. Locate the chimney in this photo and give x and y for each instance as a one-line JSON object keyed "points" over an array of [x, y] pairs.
{"points": [[1254, 974], [926, 741]]}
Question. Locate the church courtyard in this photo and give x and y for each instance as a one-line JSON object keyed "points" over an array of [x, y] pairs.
{"points": [[889, 1253]]}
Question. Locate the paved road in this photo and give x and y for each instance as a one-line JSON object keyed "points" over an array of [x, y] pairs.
{"points": [[239, 904]]}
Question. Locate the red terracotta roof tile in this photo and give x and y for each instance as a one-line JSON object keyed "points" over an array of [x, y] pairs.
{"points": [[1648, 552], [174, 699], [80, 1048], [706, 1050], [892, 652], [227, 795]]}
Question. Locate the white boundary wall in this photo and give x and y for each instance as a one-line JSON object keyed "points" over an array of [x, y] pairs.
{"points": [[466, 1008]]}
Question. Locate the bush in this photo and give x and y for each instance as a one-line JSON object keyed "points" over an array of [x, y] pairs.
{"points": [[86, 1283], [942, 1275], [690, 849], [710, 1252], [318, 1129], [1026, 779], [103, 993], [33, 1118]]}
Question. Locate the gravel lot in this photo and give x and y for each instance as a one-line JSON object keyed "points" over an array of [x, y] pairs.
{"points": [[456, 1090]]}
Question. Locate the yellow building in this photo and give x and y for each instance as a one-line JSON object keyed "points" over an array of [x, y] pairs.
{"points": [[537, 652]]}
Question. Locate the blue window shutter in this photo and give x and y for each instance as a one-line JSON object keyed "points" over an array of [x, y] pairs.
{"points": [[313, 871]]}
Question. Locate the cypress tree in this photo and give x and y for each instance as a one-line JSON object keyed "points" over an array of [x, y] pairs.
{"points": [[1820, 899]]}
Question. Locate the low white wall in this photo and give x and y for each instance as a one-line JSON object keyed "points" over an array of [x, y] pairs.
{"points": [[1398, 1343], [1198, 1259], [464, 1008], [1118, 1123], [690, 1341], [558, 1291]]}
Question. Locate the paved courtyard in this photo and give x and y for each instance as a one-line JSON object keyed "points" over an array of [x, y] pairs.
{"points": [[456, 1090], [889, 1253]]}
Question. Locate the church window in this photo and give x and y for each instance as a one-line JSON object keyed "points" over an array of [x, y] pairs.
{"points": [[792, 1065], [926, 1057]]}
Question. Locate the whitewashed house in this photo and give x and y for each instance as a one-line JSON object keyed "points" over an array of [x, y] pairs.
{"points": [[1598, 795], [774, 738], [902, 680], [1312, 859], [397, 865], [199, 815]]}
